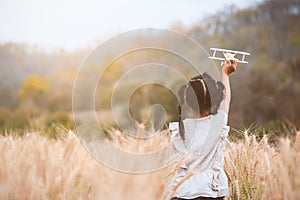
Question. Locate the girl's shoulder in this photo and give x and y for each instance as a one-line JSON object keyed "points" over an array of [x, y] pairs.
{"points": [[221, 117], [221, 114], [217, 120]]}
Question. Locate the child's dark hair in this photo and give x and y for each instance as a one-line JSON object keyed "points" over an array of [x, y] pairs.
{"points": [[202, 94]]}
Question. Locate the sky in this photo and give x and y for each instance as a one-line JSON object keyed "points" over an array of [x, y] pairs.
{"points": [[72, 24]]}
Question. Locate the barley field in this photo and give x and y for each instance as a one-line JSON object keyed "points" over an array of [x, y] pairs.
{"points": [[34, 167]]}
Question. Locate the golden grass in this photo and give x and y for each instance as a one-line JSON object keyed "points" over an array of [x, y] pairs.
{"points": [[258, 171], [33, 167]]}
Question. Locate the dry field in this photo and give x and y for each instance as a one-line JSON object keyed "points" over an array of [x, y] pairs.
{"points": [[33, 167]]}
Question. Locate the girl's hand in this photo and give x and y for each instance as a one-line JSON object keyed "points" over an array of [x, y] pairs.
{"points": [[229, 66]]}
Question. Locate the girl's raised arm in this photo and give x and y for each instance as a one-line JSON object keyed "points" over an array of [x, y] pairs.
{"points": [[229, 66]]}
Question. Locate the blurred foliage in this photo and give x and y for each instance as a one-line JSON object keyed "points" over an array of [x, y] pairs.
{"points": [[60, 118], [4, 116], [33, 90], [56, 122], [148, 95], [36, 87], [273, 129]]}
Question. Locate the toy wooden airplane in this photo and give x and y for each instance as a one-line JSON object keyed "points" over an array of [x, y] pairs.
{"points": [[229, 55]]}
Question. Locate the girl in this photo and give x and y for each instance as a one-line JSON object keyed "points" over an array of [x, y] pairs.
{"points": [[201, 174]]}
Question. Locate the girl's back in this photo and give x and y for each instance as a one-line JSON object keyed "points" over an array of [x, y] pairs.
{"points": [[205, 143]]}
